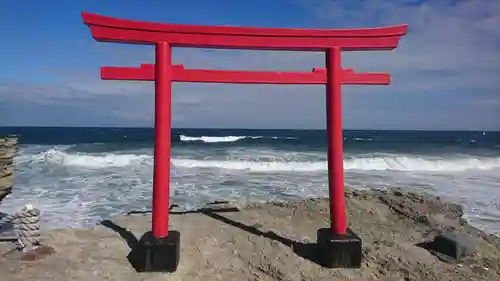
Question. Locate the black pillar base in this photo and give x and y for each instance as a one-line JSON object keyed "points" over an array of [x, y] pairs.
{"points": [[339, 250], [156, 254]]}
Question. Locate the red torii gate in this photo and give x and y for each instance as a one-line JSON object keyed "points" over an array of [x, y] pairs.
{"points": [[159, 250]]}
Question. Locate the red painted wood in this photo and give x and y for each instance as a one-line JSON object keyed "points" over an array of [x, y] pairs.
{"points": [[107, 29], [179, 74], [99, 20], [163, 128], [335, 140]]}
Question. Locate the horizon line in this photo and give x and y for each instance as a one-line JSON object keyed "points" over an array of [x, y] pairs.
{"points": [[260, 129]]}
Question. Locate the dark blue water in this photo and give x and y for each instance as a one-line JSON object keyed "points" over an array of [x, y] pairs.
{"points": [[79, 176], [354, 140]]}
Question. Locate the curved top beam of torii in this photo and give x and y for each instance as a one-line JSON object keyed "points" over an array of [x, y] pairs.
{"points": [[108, 29]]}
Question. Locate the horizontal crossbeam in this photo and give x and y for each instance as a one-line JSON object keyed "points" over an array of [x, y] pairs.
{"points": [[146, 72], [108, 29]]}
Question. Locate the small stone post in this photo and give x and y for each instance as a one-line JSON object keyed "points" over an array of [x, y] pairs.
{"points": [[27, 224], [28, 236]]}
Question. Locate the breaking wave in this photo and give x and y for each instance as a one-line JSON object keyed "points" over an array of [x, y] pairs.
{"points": [[212, 139], [379, 162]]}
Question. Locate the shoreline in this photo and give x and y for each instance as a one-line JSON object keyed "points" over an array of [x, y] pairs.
{"points": [[269, 241]]}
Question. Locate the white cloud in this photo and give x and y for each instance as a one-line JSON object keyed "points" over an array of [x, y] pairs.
{"points": [[445, 73]]}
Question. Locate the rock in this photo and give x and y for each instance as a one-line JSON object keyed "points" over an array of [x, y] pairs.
{"points": [[263, 243], [7, 232], [453, 245], [397, 193], [8, 149], [38, 253], [6, 182]]}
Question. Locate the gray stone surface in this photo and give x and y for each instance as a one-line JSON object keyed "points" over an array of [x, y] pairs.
{"points": [[7, 232], [454, 245]]}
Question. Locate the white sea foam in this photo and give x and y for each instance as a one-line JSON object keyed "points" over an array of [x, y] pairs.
{"points": [[78, 189], [58, 157], [211, 139], [368, 163]]}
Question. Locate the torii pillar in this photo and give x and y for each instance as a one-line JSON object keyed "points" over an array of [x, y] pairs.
{"points": [[158, 250]]}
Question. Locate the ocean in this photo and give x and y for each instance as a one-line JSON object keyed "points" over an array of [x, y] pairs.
{"points": [[79, 176]]}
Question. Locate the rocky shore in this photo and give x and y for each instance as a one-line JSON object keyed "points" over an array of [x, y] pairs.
{"points": [[275, 241], [8, 149]]}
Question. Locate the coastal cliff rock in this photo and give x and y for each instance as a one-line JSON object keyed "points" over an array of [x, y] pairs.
{"points": [[8, 149], [275, 241]]}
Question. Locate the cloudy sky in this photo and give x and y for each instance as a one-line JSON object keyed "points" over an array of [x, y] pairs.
{"points": [[445, 73]]}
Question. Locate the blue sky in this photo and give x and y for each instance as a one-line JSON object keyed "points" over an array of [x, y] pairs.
{"points": [[446, 71]]}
